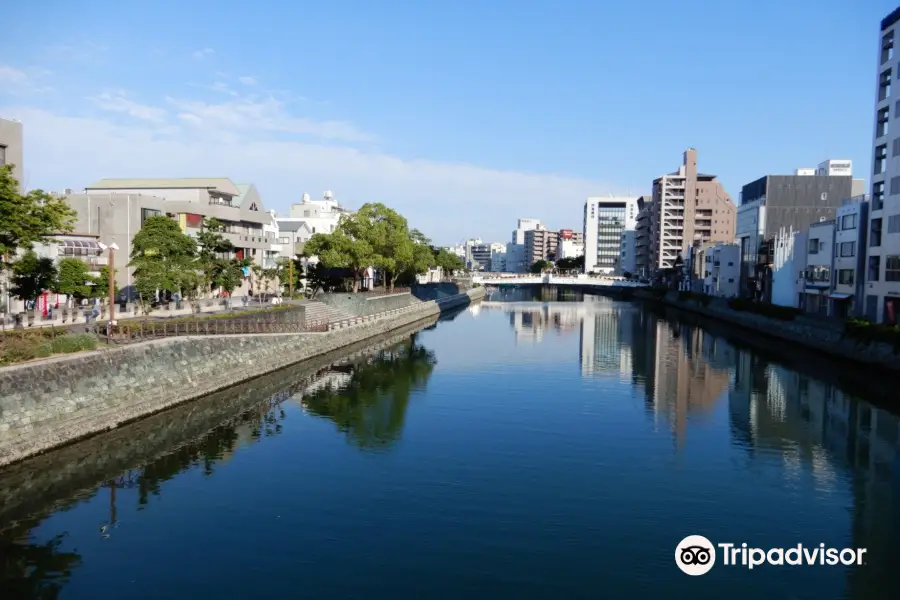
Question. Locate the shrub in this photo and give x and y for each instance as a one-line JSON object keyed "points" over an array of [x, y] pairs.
{"points": [[20, 346], [773, 311], [867, 332]]}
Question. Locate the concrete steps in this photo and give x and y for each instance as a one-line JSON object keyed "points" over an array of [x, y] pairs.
{"points": [[319, 311]]}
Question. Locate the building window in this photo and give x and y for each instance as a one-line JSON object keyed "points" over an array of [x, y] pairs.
{"points": [[880, 159], [892, 268], [848, 249], [305, 213], [814, 246], [895, 149], [894, 224], [146, 213], [845, 276], [878, 195], [849, 221], [887, 47], [875, 233], [874, 268], [884, 85], [2, 155], [881, 128]]}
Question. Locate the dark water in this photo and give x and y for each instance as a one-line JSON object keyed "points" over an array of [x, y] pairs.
{"points": [[524, 450]]}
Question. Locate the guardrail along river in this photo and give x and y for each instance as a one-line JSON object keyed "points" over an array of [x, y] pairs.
{"points": [[519, 449]]}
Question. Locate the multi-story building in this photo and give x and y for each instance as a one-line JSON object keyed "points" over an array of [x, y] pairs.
{"points": [[515, 249], [882, 302], [790, 203], [115, 209], [605, 220], [569, 244], [722, 264], [11, 149], [818, 271], [320, 216], [498, 257], [642, 237], [540, 244], [479, 256], [686, 206], [850, 241]]}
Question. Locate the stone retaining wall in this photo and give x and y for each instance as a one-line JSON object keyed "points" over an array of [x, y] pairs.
{"points": [[362, 305], [819, 337], [52, 402]]}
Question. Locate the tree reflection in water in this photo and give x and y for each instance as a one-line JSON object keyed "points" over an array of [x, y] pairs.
{"points": [[371, 407], [33, 570]]}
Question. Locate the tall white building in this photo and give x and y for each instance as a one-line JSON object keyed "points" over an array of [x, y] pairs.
{"points": [[498, 257], [516, 261], [319, 216], [882, 301], [606, 219]]}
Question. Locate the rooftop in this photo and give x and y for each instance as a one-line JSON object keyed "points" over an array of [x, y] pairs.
{"points": [[220, 184]]}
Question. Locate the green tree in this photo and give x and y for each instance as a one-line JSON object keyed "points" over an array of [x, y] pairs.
{"points": [[571, 263], [163, 258], [211, 245], [387, 232], [29, 218], [100, 287], [33, 275], [339, 250], [541, 266], [448, 261], [73, 278], [229, 276]]}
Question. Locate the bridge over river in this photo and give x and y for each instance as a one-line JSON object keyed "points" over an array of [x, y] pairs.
{"points": [[578, 281]]}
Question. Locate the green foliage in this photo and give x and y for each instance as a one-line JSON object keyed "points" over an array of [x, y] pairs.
{"points": [[73, 278], [163, 258], [29, 218], [339, 250], [20, 346], [388, 235], [448, 261], [866, 332], [541, 266], [211, 245], [229, 275], [32, 276], [100, 289], [569, 264]]}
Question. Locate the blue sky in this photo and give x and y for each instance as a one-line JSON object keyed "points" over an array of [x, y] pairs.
{"points": [[463, 116]]}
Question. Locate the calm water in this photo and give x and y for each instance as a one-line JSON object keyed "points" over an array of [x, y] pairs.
{"points": [[519, 450]]}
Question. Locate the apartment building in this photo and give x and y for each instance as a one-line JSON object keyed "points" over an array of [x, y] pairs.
{"points": [[642, 237], [515, 249], [819, 268], [12, 149], [479, 256], [498, 257], [686, 206], [569, 244], [722, 268], [606, 219], [775, 203], [115, 209], [882, 303], [540, 244], [850, 242]]}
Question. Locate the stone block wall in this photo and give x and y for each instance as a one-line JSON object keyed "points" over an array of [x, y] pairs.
{"points": [[52, 402], [363, 305]]}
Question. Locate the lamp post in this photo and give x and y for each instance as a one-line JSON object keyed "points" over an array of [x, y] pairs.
{"points": [[111, 282]]}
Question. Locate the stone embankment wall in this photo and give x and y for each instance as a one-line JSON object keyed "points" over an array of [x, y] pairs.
{"points": [[822, 337], [53, 402], [363, 305]]}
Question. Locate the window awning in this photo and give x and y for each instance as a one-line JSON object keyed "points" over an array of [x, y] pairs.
{"points": [[838, 296], [89, 244]]}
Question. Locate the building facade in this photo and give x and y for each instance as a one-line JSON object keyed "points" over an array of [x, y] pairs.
{"points": [[850, 240], [819, 269], [540, 244], [883, 285], [498, 257], [12, 149], [515, 249], [605, 221], [686, 206], [642, 237], [722, 264], [320, 216], [569, 244]]}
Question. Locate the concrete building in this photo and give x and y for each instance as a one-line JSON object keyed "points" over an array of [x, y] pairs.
{"points": [[12, 149], [791, 202], [882, 302], [115, 209], [498, 257], [320, 216], [515, 249], [569, 244], [540, 244], [850, 238], [642, 237], [605, 220], [819, 270], [686, 206], [478, 255], [722, 264]]}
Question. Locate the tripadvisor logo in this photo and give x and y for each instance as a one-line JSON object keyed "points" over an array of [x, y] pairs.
{"points": [[696, 555]]}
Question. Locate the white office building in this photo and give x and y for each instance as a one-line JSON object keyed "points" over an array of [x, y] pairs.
{"points": [[850, 239], [605, 220], [815, 286], [516, 261], [882, 301]]}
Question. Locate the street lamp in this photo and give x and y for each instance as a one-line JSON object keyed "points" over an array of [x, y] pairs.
{"points": [[111, 282]]}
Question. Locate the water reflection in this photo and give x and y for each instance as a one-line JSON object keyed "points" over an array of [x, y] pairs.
{"points": [[367, 401]]}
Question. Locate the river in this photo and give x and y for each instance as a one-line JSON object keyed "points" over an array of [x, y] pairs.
{"points": [[518, 449]]}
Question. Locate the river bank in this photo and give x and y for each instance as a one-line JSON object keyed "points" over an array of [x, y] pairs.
{"points": [[824, 337], [50, 403]]}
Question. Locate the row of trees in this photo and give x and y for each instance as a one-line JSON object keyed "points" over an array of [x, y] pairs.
{"points": [[378, 236], [563, 264], [31, 275]]}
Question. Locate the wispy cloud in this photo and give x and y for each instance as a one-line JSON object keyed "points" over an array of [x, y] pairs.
{"points": [[247, 80], [118, 102], [15, 81], [205, 52]]}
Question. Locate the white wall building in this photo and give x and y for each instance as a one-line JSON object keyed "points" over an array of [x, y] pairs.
{"points": [[569, 249], [605, 220], [788, 261], [320, 216], [882, 302], [515, 250], [850, 238], [722, 270], [835, 167], [498, 257], [817, 275]]}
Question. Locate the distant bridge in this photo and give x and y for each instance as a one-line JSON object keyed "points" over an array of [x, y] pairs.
{"points": [[583, 281]]}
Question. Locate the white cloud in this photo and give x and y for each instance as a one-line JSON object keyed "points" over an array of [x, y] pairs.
{"points": [[201, 54], [16, 81], [260, 140], [117, 102], [247, 80]]}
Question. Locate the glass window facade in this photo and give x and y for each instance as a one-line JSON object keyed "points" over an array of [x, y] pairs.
{"points": [[610, 225]]}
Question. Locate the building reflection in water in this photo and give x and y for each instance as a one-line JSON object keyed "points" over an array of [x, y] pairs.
{"points": [[683, 372]]}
